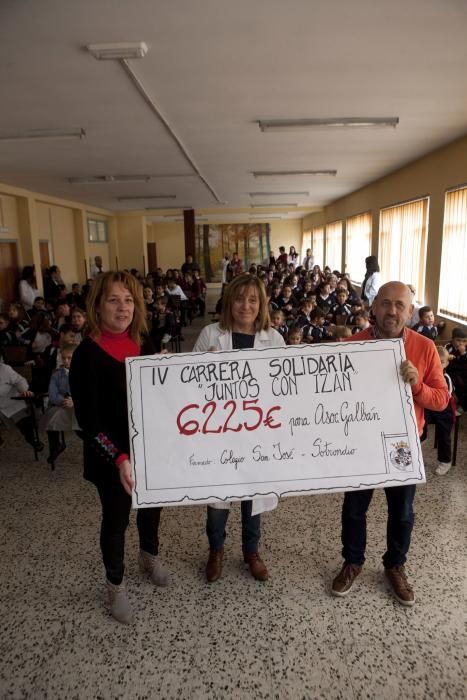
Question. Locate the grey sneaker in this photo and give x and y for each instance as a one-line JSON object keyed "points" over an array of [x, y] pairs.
{"points": [[152, 565], [120, 607], [344, 579], [443, 468]]}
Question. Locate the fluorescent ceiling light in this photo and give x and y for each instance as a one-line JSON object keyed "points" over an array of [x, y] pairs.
{"points": [[118, 50], [149, 196], [45, 135], [107, 179], [281, 173], [295, 124], [264, 216], [178, 207], [276, 204], [279, 194]]}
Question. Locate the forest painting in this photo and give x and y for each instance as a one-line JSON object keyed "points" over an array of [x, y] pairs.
{"points": [[214, 241]]}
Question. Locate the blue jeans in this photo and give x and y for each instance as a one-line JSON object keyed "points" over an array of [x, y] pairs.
{"points": [[251, 527], [399, 528]]}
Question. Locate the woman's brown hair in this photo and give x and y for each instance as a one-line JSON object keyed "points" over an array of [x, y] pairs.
{"points": [[102, 286], [234, 289]]}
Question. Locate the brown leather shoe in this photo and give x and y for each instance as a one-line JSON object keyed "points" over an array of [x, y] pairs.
{"points": [[345, 578], [214, 565], [403, 591], [257, 566]]}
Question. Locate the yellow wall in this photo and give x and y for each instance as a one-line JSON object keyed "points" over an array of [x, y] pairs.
{"points": [[132, 237], [56, 225], [170, 244], [429, 176], [286, 233], [9, 218]]}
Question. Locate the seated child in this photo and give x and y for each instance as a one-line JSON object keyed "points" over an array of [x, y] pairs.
{"points": [[427, 325], [457, 370], [304, 313], [163, 324], [62, 315], [341, 332], [458, 340], [278, 322], [317, 331], [295, 336], [361, 321], [60, 416], [444, 421], [324, 299], [13, 384], [79, 324], [7, 337], [51, 359], [341, 310], [17, 322]]}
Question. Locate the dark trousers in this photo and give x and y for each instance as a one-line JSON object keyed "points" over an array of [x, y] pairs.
{"points": [[251, 527], [116, 506], [399, 526], [443, 420]]}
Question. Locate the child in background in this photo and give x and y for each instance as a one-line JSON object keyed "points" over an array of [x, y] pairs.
{"points": [[427, 326], [324, 299], [60, 416], [317, 331], [79, 325], [457, 370], [75, 298], [443, 420], [295, 336], [163, 325], [341, 332], [7, 337], [361, 321], [341, 311], [278, 322], [17, 322], [304, 314], [39, 334], [13, 384], [51, 359], [458, 341], [62, 315], [39, 307]]}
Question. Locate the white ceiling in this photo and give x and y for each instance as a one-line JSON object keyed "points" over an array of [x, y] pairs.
{"points": [[214, 67]]}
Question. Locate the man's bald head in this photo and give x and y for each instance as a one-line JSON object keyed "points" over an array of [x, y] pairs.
{"points": [[392, 307]]}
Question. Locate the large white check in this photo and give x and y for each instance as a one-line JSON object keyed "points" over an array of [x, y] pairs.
{"points": [[220, 426]]}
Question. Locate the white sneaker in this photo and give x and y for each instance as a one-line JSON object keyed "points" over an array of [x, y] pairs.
{"points": [[443, 468]]}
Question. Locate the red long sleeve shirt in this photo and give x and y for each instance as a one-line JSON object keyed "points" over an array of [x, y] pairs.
{"points": [[431, 391]]}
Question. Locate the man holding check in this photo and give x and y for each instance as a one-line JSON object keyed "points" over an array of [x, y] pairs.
{"points": [[422, 370]]}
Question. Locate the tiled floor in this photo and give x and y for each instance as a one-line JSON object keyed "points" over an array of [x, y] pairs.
{"points": [[286, 638]]}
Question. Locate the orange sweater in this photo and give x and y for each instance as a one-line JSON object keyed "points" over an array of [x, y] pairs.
{"points": [[431, 391]]}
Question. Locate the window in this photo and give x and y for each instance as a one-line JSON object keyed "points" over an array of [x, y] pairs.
{"points": [[402, 243], [452, 297], [97, 231], [317, 245], [357, 245], [334, 245]]}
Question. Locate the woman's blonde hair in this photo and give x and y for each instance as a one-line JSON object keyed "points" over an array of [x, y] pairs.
{"points": [[236, 288], [102, 286]]}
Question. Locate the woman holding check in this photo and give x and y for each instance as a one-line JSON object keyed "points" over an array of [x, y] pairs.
{"points": [[116, 317], [244, 324]]}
